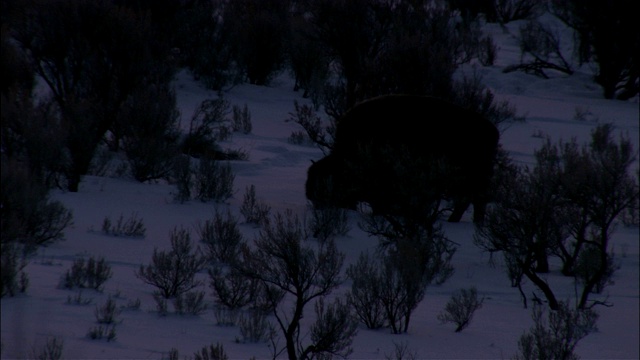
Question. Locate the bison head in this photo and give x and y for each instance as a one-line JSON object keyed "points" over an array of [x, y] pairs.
{"points": [[326, 185]]}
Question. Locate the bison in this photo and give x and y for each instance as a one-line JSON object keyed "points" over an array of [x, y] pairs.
{"points": [[405, 155]]}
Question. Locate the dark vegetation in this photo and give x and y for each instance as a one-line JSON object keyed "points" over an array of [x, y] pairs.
{"points": [[565, 207], [85, 78]]}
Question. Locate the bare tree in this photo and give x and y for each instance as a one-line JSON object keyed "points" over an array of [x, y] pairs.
{"points": [[603, 189], [606, 33], [149, 123], [92, 55], [30, 151], [413, 257], [540, 50], [566, 206], [523, 223], [258, 32], [205, 47], [308, 59], [292, 271]]}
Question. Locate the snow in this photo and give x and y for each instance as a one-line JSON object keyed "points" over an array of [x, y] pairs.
{"points": [[277, 168]]}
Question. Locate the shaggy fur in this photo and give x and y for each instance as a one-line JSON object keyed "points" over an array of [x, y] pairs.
{"points": [[405, 154]]}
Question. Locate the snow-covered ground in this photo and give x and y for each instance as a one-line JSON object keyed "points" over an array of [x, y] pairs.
{"points": [[277, 168]]}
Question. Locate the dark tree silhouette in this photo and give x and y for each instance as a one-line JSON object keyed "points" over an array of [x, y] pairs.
{"points": [[286, 265], [29, 218], [258, 32], [607, 33], [92, 55], [566, 206]]}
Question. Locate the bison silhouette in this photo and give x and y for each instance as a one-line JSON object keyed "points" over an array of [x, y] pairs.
{"points": [[407, 155]]}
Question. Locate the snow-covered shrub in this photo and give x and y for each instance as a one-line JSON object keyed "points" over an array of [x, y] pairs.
{"points": [[557, 335], [89, 274], [213, 352], [12, 277], [99, 332], [150, 132], [401, 351], [413, 257], [221, 237], [173, 272], [511, 10], [288, 266], [364, 297], [315, 131], [333, 331], [183, 178], [329, 222], [161, 303], [471, 93], [28, 216], [460, 308], [51, 350], [108, 312], [213, 181], [78, 299], [231, 288], [133, 226], [207, 126], [487, 51], [191, 302], [254, 327], [253, 210], [242, 119]]}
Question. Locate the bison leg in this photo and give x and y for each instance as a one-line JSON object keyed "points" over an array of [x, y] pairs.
{"points": [[479, 211], [459, 208]]}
